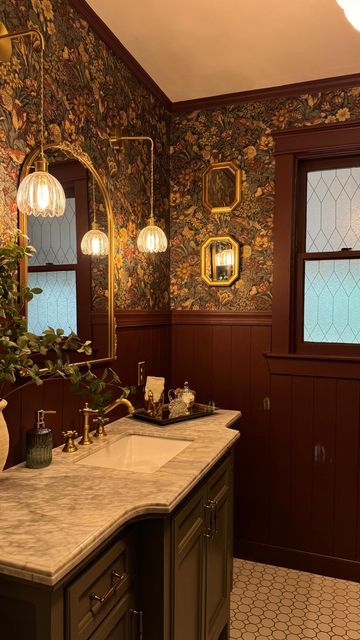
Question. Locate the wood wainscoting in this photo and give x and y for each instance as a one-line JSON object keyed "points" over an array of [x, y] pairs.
{"points": [[221, 355], [141, 335], [297, 463]]}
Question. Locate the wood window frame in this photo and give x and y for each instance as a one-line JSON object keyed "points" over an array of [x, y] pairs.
{"points": [[73, 177], [293, 147]]}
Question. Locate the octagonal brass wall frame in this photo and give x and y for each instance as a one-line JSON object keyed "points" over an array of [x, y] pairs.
{"points": [[222, 187], [220, 262]]}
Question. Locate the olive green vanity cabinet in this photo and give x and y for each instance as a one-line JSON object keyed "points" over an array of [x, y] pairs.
{"points": [[202, 536], [162, 577]]}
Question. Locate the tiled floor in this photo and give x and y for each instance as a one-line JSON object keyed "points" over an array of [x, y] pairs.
{"points": [[270, 602]]}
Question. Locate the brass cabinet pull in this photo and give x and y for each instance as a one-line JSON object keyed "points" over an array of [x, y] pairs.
{"points": [[116, 580], [133, 613], [210, 519], [214, 508]]}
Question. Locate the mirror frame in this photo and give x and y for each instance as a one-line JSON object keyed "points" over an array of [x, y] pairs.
{"points": [[216, 166], [73, 152], [235, 246]]}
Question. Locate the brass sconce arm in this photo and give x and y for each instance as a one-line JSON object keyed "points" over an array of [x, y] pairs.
{"points": [[6, 38], [116, 138]]}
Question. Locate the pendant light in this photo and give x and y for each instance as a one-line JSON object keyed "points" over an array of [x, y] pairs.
{"points": [[351, 10], [95, 242], [151, 238], [39, 193]]}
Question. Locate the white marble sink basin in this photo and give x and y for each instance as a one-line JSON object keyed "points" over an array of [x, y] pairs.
{"points": [[136, 453]]}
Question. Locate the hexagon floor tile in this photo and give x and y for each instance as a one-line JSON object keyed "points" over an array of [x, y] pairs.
{"points": [[282, 604]]}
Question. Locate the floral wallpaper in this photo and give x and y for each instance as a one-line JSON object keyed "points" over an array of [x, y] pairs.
{"points": [[241, 133], [87, 91]]}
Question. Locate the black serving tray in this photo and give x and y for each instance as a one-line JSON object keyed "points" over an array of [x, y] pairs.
{"points": [[196, 411]]}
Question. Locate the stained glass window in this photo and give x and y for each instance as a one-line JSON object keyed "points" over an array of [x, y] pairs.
{"points": [[332, 286], [333, 209], [56, 305], [54, 238]]}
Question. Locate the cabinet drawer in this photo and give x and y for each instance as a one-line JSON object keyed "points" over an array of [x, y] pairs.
{"points": [[107, 578]]}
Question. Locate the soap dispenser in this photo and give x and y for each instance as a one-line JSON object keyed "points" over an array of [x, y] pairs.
{"points": [[39, 443]]}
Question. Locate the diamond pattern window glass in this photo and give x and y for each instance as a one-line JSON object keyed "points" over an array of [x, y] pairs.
{"points": [[54, 238], [332, 301], [333, 209], [56, 305]]}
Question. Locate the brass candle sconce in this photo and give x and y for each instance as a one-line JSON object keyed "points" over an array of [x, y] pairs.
{"points": [[220, 263]]}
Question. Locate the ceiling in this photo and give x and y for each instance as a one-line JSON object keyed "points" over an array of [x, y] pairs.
{"points": [[199, 48]]}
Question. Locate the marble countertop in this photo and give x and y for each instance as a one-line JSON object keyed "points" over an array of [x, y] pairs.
{"points": [[52, 518]]}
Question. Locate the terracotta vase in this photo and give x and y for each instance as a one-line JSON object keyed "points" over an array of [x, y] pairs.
{"points": [[4, 436]]}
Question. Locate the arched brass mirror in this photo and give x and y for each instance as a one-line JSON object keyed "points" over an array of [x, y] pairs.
{"points": [[220, 261], [77, 290], [221, 187]]}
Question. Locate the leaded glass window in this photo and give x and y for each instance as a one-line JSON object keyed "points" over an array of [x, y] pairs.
{"points": [[329, 255], [50, 270]]}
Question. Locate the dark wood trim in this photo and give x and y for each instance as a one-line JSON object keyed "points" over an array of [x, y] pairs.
{"points": [[222, 318], [111, 41], [301, 560], [291, 147], [310, 142], [314, 365], [141, 318], [282, 91], [45, 268]]}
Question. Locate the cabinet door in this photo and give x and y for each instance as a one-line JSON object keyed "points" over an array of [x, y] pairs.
{"points": [[119, 623], [189, 569], [219, 551]]}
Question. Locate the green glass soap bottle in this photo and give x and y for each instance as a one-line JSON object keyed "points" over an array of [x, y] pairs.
{"points": [[39, 443]]}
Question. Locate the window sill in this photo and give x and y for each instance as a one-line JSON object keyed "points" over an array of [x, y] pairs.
{"points": [[324, 366]]}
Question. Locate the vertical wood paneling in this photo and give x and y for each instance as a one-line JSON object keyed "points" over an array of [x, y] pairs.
{"points": [[202, 362], [346, 469], [221, 366], [324, 465], [183, 347], [280, 460], [260, 434], [302, 461]]}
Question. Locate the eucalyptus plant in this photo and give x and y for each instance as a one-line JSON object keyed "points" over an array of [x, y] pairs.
{"points": [[19, 346]]}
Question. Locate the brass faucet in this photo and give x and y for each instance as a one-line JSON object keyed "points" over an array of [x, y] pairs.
{"points": [[87, 412], [116, 403]]}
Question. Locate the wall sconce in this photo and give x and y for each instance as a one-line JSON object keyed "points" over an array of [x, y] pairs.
{"points": [[151, 239], [94, 242], [351, 9], [39, 194]]}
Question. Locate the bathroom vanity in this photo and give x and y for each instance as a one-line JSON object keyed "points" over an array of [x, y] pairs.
{"points": [[111, 548]]}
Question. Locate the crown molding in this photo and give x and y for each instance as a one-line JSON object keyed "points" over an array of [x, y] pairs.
{"points": [[111, 41], [210, 102], [282, 91]]}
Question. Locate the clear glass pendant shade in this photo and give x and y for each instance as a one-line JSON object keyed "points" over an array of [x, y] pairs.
{"points": [[95, 242], [351, 9], [40, 194], [152, 239]]}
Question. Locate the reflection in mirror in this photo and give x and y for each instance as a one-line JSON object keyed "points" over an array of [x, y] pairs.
{"points": [[221, 187], [76, 289], [220, 261]]}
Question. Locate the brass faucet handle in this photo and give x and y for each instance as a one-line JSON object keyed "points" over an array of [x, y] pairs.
{"points": [[70, 445], [100, 430]]}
